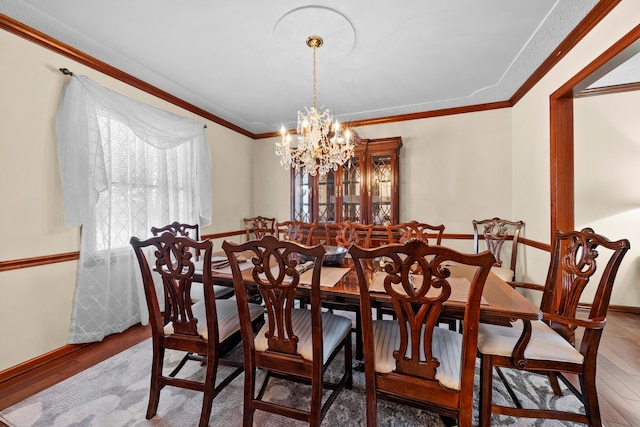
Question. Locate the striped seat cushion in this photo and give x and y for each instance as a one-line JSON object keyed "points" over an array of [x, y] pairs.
{"points": [[228, 319], [197, 292], [334, 329], [545, 343], [446, 347], [503, 273]]}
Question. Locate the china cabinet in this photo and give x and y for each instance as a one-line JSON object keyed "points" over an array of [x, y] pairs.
{"points": [[364, 190]]}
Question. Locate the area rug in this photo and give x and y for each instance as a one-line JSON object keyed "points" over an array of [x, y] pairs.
{"points": [[115, 393]]}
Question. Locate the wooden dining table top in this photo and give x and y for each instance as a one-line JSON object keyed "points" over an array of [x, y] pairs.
{"points": [[502, 303]]}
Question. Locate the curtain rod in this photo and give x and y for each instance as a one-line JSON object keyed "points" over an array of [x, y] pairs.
{"points": [[66, 72]]}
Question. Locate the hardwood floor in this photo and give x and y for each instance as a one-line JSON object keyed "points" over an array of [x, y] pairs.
{"points": [[20, 388], [618, 368]]}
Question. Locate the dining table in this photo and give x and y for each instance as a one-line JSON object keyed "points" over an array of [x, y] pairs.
{"points": [[501, 303]]}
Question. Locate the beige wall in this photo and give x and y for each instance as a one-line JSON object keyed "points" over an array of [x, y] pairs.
{"points": [[442, 159], [437, 165], [35, 306], [530, 141], [607, 144]]}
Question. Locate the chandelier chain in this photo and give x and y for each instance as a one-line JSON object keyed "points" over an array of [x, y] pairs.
{"points": [[315, 49], [322, 146]]}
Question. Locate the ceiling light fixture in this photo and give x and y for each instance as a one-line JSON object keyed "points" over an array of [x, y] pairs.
{"points": [[322, 145]]}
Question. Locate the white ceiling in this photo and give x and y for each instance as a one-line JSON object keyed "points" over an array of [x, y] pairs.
{"points": [[247, 62]]}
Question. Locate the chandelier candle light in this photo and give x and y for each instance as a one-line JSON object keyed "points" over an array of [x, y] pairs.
{"points": [[322, 145]]}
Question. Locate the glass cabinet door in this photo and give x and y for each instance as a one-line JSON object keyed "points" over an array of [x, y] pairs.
{"points": [[380, 189], [351, 181], [363, 190], [301, 197], [326, 198]]}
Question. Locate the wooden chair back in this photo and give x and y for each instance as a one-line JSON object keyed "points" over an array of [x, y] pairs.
{"points": [[416, 276], [379, 236], [296, 231], [176, 228], [574, 261], [402, 233], [349, 233], [174, 262], [259, 226], [179, 229], [332, 229], [495, 232]]}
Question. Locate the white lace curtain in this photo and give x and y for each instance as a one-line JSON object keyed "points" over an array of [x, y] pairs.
{"points": [[125, 166]]}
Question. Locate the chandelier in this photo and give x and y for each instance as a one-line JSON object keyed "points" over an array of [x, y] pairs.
{"points": [[322, 144]]}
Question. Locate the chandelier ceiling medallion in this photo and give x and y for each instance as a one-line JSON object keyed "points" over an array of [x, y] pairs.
{"points": [[322, 145]]}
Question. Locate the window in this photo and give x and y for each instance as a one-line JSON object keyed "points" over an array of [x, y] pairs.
{"points": [[125, 167], [147, 186]]}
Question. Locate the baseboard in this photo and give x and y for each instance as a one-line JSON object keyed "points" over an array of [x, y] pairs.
{"points": [[110, 345], [616, 308], [624, 309], [40, 361]]}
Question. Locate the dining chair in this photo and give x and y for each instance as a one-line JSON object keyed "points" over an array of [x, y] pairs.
{"points": [[259, 226], [192, 231], [401, 233], [296, 231], [410, 359], [350, 233], [296, 344], [495, 232], [551, 346], [206, 330]]}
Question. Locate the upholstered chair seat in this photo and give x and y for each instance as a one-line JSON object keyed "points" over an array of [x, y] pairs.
{"points": [[446, 347], [545, 343], [505, 274], [197, 292], [334, 330], [228, 320]]}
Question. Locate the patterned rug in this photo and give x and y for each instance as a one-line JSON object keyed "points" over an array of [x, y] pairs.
{"points": [[115, 393]]}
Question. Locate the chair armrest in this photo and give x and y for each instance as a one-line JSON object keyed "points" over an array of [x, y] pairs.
{"points": [[595, 323], [519, 360], [525, 285], [517, 355]]}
